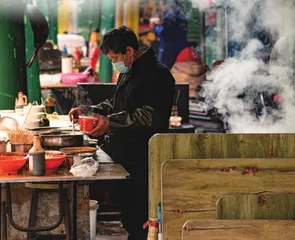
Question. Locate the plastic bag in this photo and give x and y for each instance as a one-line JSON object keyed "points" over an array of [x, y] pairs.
{"points": [[86, 168], [101, 156]]}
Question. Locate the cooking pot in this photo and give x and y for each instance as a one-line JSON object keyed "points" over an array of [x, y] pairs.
{"points": [[71, 159], [76, 154], [61, 139], [3, 144]]}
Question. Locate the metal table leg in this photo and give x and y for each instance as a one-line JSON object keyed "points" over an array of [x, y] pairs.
{"points": [[32, 229], [74, 209]]}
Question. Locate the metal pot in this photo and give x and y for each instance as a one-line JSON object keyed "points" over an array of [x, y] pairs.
{"points": [[3, 146], [21, 147], [61, 139], [78, 157]]}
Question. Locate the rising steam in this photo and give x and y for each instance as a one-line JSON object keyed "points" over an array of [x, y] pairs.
{"points": [[247, 72]]}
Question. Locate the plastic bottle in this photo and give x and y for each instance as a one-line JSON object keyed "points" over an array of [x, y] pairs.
{"points": [[37, 158], [64, 50], [49, 104]]}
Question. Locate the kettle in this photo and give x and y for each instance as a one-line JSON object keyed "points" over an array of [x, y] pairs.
{"points": [[22, 100]]}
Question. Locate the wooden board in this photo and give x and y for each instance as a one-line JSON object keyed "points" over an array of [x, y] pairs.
{"points": [[239, 230], [256, 206], [205, 146], [191, 188]]}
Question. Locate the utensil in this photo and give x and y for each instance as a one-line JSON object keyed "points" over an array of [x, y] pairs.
{"points": [[26, 117], [76, 150], [21, 147], [72, 117], [61, 139], [71, 159], [87, 123], [8, 123], [40, 29]]}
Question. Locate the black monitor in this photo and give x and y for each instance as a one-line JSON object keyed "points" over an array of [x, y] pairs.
{"points": [[94, 93]]}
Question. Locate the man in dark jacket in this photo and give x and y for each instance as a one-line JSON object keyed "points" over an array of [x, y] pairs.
{"points": [[140, 108]]}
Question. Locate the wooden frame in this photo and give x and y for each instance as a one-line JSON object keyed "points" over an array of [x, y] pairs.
{"points": [[203, 146], [191, 188]]}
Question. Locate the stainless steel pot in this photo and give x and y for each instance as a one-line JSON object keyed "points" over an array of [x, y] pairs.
{"points": [[62, 139], [78, 157], [21, 147]]}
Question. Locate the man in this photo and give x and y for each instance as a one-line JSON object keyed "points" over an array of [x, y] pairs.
{"points": [[140, 108]]}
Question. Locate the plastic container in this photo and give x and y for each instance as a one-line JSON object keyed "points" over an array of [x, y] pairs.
{"points": [[11, 163], [53, 159], [93, 206], [74, 78], [67, 65], [87, 123]]}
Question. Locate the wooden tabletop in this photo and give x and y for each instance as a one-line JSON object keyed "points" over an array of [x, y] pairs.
{"points": [[104, 172]]}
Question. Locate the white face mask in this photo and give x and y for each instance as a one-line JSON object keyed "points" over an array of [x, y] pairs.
{"points": [[120, 66]]}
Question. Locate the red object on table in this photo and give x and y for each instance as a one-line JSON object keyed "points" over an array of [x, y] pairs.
{"points": [[11, 163], [87, 124], [53, 160]]}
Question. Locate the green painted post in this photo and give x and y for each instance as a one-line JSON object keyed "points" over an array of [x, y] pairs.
{"points": [[33, 81], [52, 20], [107, 22], [12, 57]]}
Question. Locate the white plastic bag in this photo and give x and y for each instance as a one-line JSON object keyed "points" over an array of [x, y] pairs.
{"points": [[101, 156], [86, 168]]}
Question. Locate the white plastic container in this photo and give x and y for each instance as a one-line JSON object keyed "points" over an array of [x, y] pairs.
{"points": [[93, 206], [67, 65]]}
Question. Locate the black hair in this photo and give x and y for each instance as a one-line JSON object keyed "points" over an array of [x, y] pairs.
{"points": [[118, 39]]}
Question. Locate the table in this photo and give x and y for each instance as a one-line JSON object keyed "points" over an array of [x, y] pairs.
{"points": [[184, 128], [104, 172]]}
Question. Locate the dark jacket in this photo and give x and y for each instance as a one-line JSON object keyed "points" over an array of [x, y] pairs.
{"points": [[173, 36], [141, 105]]}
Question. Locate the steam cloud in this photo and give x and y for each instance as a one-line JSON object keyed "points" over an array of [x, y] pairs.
{"points": [[248, 73]]}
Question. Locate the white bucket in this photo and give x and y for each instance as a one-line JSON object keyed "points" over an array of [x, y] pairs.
{"points": [[93, 206]]}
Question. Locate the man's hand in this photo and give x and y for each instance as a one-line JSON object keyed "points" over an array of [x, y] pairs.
{"points": [[102, 127], [75, 112]]}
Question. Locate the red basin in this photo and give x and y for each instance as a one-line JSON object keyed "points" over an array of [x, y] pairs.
{"points": [[53, 160], [11, 163]]}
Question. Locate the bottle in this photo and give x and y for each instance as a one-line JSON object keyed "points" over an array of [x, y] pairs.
{"points": [[37, 158], [44, 122], [49, 104], [64, 50], [174, 111]]}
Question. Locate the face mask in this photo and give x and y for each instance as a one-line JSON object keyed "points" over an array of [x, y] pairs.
{"points": [[120, 67]]}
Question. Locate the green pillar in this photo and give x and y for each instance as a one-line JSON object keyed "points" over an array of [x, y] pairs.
{"points": [[52, 20], [33, 81], [12, 57], [107, 22]]}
